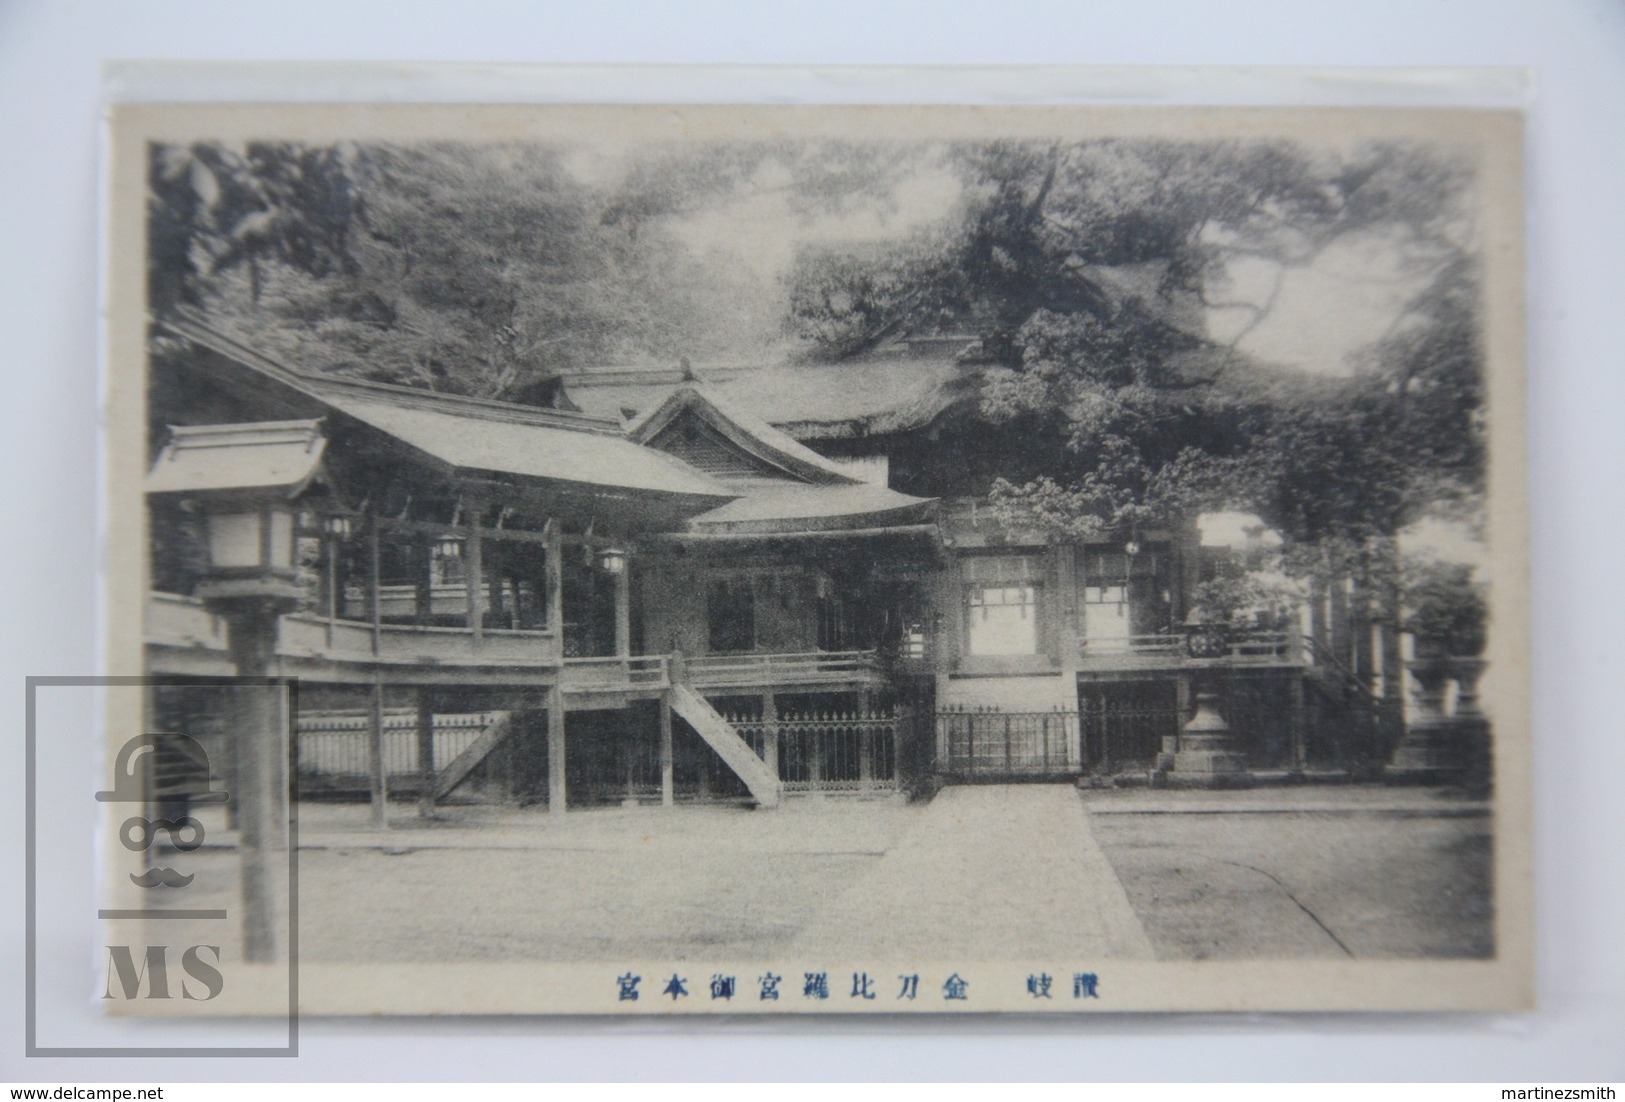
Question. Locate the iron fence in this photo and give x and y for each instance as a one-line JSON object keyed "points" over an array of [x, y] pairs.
{"points": [[826, 751], [990, 744]]}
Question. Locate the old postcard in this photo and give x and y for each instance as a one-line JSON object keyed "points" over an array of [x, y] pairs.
{"points": [[671, 560]]}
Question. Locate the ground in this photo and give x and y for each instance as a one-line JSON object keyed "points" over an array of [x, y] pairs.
{"points": [[990, 872]]}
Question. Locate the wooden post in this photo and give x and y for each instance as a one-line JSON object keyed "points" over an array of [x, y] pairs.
{"points": [[374, 604], [555, 582], [557, 797], [379, 781], [423, 610], [332, 585], [866, 740], [666, 785], [623, 610], [1300, 752], [425, 733], [770, 733], [475, 576]]}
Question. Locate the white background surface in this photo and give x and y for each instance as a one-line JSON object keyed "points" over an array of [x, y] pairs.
{"points": [[50, 52]]}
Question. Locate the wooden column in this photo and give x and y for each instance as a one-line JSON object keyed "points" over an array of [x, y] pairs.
{"points": [[1299, 728], [623, 610], [557, 797], [666, 782], [425, 733], [379, 781], [555, 582], [866, 739], [374, 605], [474, 567], [423, 609], [770, 732], [332, 582]]}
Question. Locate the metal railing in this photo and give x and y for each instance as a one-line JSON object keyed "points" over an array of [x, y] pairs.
{"points": [[826, 751], [986, 743]]}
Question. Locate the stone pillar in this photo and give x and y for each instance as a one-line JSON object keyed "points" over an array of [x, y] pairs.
{"points": [[1183, 693], [1474, 727], [1431, 751], [1208, 756], [259, 733]]}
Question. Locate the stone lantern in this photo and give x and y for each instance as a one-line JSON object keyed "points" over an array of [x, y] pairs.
{"points": [[1208, 755], [249, 482]]}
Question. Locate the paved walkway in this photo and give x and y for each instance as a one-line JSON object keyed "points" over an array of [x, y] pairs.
{"points": [[1006, 869]]}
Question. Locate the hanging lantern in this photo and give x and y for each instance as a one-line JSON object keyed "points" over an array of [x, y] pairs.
{"points": [[449, 546], [612, 560], [339, 526]]}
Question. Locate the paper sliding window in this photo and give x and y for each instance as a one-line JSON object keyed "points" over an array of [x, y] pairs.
{"points": [[1003, 619]]}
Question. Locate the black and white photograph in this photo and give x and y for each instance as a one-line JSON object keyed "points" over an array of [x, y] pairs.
{"points": [[844, 560]]}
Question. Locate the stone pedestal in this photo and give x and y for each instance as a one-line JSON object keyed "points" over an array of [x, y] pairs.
{"points": [[1473, 727], [1432, 751], [1208, 756]]}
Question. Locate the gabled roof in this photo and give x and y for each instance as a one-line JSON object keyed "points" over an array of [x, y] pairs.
{"points": [[745, 431], [273, 458], [478, 436], [894, 388]]}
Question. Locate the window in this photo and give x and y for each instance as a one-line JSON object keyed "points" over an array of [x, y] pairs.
{"points": [[730, 608], [1003, 619]]}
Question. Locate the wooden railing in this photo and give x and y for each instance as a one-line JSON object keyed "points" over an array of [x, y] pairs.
{"points": [[641, 672], [182, 622], [717, 671], [1143, 651], [333, 747]]}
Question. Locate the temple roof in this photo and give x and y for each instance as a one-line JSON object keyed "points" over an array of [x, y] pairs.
{"points": [[785, 509], [891, 389], [477, 435]]}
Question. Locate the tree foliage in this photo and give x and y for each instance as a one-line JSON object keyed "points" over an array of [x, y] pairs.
{"points": [[1092, 272]]}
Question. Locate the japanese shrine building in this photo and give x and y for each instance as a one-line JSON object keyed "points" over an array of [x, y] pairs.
{"points": [[724, 584]]}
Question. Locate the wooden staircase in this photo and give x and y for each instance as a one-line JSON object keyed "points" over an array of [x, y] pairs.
{"points": [[458, 769], [719, 734]]}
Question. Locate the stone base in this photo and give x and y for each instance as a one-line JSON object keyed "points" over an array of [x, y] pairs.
{"points": [[1209, 769], [1429, 754]]}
